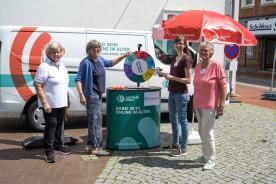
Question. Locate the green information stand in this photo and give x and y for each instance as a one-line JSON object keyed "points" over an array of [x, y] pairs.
{"points": [[133, 118]]}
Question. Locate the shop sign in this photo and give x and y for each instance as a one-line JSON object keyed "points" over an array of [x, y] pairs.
{"points": [[262, 26]]}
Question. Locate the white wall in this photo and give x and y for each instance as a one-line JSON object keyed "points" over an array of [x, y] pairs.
{"points": [[119, 14], [213, 5], [71, 13]]}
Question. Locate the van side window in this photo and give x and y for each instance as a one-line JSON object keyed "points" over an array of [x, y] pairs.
{"points": [[164, 51]]}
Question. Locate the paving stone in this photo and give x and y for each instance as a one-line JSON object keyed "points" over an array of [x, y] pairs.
{"points": [[244, 146]]}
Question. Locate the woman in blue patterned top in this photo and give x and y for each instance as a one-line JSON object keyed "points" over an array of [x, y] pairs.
{"points": [[90, 82]]}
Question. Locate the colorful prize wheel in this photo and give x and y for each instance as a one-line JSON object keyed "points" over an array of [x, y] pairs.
{"points": [[139, 66]]}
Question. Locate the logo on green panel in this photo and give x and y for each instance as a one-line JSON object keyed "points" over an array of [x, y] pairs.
{"points": [[120, 98]]}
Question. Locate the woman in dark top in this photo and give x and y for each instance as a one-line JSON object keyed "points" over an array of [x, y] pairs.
{"points": [[180, 75]]}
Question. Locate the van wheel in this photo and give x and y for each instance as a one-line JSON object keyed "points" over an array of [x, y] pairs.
{"points": [[35, 117]]}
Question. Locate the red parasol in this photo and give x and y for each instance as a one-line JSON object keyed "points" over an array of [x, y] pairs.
{"points": [[212, 26]]}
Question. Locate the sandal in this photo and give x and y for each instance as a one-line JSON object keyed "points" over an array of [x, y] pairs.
{"points": [[172, 146], [100, 152]]}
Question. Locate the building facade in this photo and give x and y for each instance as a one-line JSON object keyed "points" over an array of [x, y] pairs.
{"points": [[259, 16]]}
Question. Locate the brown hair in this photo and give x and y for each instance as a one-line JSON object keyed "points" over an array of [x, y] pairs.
{"points": [[182, 39], [92, 44]]}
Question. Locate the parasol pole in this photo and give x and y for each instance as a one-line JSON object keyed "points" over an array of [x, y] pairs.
{"points": [[194, 137], [271, 95], [273, 71]]}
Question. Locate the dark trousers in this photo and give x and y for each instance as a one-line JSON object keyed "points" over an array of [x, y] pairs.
{"points": [[53, 129]]}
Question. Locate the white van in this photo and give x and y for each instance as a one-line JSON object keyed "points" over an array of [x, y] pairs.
{"points": [[21, 51]]}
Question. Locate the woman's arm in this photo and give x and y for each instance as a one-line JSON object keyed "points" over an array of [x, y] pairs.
{"points": [[120, 58], [82, 97], [185, 80], [41, 96], [222, 99]]}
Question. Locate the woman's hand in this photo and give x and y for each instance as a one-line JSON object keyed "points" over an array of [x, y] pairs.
{"points": [[220, 111], [47, 107], [127, 54], [82, 99], [169, 77]]}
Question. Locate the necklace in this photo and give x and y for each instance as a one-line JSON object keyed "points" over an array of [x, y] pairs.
{"points": [[204, 64]]}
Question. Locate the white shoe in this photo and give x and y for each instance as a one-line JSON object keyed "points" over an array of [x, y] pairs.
{"points": [[88, 148], [200, 159], [209, 165]]}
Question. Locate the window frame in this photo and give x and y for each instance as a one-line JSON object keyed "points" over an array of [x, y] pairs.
{"points": [[244, 5], [265, 2]]}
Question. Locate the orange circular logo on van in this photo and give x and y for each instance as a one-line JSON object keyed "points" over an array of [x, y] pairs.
{"points": [[16, 63]]}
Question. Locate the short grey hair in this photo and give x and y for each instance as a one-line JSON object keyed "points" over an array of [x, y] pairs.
{"points": [[53, 47], [208, 45], [92, 44]]}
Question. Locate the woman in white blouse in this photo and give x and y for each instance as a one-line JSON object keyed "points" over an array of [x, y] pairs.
{"points": [[51, 84]]}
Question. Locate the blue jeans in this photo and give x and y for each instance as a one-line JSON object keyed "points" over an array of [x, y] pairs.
{"points": [[178, 104], [94, 118]]}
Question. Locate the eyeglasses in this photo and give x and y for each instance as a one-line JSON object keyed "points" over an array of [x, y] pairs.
{"points": [[96, 47], [179, 43]]}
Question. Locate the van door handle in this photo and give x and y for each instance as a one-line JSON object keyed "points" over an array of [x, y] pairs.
{"points": [[114, 69]]}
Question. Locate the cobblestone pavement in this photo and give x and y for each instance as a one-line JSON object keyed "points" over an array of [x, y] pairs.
{"points": [[245, 139], [25, 166], [246, 153]]}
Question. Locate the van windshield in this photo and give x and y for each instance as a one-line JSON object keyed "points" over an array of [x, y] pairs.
{"points": [[164, 51]]}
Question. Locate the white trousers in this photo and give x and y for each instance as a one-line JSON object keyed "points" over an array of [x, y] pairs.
{"points": [[206, 125]]}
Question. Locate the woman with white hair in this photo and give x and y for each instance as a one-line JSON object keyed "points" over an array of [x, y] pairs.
{"points": [[209, 99], [51, 84], [90, 82]]}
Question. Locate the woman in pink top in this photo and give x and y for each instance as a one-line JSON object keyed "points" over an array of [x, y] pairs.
{"points": [[209, 98]]}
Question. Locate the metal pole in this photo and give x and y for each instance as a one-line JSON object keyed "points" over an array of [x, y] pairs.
{"points": [[273, 70], [139, 48]]}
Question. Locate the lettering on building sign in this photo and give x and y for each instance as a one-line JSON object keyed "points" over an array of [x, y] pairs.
{"points": [[261, 26]]}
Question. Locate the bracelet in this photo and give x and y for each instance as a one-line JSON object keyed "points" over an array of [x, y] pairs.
{"points": [[80, 94]]}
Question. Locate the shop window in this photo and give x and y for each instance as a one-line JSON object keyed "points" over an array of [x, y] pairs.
{"points": [[265, 2], [269, 53], [247, 3]]}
